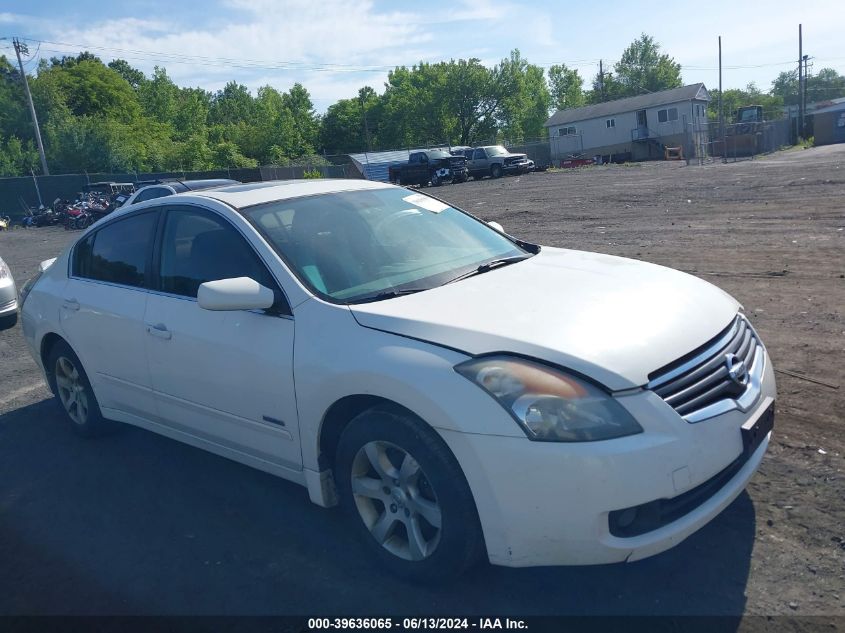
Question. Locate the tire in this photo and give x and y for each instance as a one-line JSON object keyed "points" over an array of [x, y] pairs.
{"points": [[73, 392], [9, 321], [435, 180], [496, 171], [385, 506]]}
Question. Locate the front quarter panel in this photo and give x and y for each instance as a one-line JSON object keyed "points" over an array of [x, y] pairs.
{"points": [[335, 357]]}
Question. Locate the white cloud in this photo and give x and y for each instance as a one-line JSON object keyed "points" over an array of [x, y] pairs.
{"points": [[317, 44], [275, 42]]}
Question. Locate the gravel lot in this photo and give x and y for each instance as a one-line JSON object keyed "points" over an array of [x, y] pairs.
{"points": [[135, 523]]}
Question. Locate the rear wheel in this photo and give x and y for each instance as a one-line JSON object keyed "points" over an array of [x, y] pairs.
{"points": [[73, 391], [406, 496]]}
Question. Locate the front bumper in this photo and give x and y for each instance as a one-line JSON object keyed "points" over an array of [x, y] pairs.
{"points": [[8, 297], [549, 503], [516, 168], [451, 172], [8, 308]]}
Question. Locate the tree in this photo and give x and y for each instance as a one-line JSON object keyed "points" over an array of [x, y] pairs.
{"points": [[734, 98], [342, 127], [231, 105], [14, 115], [191, 117], [133, 76], [159, 97], [305, 125], [825, 85], [17, 157], [642, 69], [525, 99], [227, 154], [90, 88], [565, 87]]}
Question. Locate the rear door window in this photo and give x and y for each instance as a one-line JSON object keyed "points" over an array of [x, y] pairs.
{"points": [[118, 252]]}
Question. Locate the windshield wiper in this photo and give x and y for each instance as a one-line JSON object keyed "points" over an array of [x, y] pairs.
{"points": [[387, 294], [488, 266]]}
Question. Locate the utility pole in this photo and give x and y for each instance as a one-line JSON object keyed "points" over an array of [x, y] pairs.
{"points": [[601, 79], [721, 121], [366, 127], [805, 59], [800, 85], [18, 48]]}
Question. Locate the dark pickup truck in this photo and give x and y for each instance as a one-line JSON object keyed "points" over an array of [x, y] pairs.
{"points": [[433, 165]]}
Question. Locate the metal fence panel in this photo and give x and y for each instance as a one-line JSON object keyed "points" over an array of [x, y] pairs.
{"points": [[738, 141], [19, 194]]}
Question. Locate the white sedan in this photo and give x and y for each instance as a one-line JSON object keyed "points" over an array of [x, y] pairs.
{"points": [[461, 393]]}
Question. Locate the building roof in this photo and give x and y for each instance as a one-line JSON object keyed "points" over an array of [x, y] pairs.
{"points": [[376, 165], [834, 105], [629, 104]]}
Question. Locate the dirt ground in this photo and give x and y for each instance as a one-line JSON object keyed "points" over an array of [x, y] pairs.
{"points": [[770, 231]]}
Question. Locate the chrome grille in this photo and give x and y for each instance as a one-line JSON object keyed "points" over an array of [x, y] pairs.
{"points": [[724, 374]]}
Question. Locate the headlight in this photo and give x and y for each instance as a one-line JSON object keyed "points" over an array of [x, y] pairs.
{"points": [[549, 404]]}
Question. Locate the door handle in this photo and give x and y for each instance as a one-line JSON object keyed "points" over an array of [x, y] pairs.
{"points": [[160, 330], [70, 304]]}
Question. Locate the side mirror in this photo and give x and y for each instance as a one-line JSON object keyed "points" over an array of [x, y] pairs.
{"points": [[497, 226], [238, 293]]}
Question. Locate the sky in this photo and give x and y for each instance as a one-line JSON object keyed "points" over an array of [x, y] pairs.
{"points": [[334, 47]]}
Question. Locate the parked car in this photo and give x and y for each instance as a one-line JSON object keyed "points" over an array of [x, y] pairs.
{"points": [[170, 187], [495, 161], [8, 298], [434, 166], [460, 392]]}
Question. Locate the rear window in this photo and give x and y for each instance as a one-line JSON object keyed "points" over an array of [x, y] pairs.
{"points": [[118, 252]]}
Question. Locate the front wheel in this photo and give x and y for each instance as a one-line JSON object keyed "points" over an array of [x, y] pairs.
{"points": [[496, 171], [406, 496], [435, 180]]}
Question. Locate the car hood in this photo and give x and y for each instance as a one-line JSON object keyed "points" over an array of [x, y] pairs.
{"points": [[615, 320]]}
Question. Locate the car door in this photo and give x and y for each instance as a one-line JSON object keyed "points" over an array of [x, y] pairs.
{"points": [[222, 377], [478, 164], [102, 311], [418, 168]]}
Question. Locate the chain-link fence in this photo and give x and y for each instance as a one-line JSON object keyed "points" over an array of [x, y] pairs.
{"points": [[730, 142], [29, 192]]}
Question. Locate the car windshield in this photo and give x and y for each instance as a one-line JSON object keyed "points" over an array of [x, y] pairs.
{"points": [[497, 150], [363, 245]]}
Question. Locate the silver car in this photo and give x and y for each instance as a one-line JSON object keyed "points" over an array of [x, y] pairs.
{"points": [[8, 298]]}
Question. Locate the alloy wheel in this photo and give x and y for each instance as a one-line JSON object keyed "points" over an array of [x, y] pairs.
{"points": [[71, 390], [396, 501]]}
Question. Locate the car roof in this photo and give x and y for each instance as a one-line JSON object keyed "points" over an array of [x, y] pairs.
{"points": [[187, 185], [249, 194], [196, 185]]}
